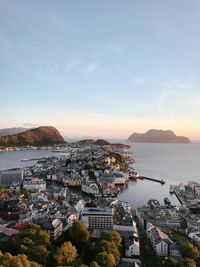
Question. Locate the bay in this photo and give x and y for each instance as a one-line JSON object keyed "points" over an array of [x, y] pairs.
{"points": [[174, 163]]}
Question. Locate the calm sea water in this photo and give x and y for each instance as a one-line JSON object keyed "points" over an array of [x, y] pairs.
{"points": [[175, 163], [10, 160]]}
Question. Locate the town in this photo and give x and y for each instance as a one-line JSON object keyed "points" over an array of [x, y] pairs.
{"points": [[78, 190]]}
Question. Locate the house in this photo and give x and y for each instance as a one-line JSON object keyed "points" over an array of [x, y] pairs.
{"points": [[34, 184], [195, 236], [160, 241], [54, 227]]}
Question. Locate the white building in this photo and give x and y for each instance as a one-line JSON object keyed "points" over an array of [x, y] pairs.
{"points": [[160, 241], [195, 236], [34, 184], [120, 178], [90, 188], [98, 218]]}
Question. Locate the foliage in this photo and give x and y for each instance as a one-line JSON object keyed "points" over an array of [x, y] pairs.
{"points": [[16, 261], [109, 248], [78, 234], [148, 256], [94, 264], [189, 263], [171, 263], [188, 250], [33, 241], [65, 254], [178, 236], [26, 193], [112, 236], [105, 259]]}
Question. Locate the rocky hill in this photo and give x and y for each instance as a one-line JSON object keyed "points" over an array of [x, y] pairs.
{"points": [[9, 131], [158, 136], [42, 136]]}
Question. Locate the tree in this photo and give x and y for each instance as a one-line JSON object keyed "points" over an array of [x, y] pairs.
{"points": [[106, 259], [94, 264], [148, 256], [16, 261], [112, 236], [79, 234], [171, 263], [108, 247], [188, 250], [33, 242], [189, 263], [67, 253]]}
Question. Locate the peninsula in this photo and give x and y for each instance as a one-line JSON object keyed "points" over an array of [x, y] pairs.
{"points": [[41, 136]]}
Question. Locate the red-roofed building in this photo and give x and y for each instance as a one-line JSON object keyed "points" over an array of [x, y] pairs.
{"points": [[20, 226]]}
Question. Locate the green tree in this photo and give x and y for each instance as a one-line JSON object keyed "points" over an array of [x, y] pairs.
{"points": [[148, 256], [67, 253], [106, 259], [112, 236], [171, 263], [108, 247], [79, 234], [33, 241], [19, 260], [189, 263], [188, 250], [94, 264]]}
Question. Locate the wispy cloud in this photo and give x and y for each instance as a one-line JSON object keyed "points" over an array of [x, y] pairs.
{"points": [[92, 69], [29, 124]]}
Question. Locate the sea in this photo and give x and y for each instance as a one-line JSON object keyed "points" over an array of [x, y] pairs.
{"points": [[174, 163]]}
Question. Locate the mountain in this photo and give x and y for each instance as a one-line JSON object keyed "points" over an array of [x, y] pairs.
{"points": [[158, 136], [10, 131], [41, 136]]}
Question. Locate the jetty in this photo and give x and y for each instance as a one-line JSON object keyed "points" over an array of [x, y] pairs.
{"points": [[152, 179]]}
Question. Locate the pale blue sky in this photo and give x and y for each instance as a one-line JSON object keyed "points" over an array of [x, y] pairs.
{"points": [[104, 68]]}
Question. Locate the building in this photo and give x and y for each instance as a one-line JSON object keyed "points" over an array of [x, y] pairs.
{"points": [[90, 188], [160, 241], [34, 184], [195, 236], [11, 178], [120, 178], [53, 227], [98, 218]]}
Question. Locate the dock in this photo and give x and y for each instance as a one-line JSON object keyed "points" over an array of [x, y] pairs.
{"points": [[152, 179]]}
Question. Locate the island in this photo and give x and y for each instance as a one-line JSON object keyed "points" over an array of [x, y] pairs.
{"points": [[159, 136]]}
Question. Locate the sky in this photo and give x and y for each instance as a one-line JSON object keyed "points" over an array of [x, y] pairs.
{"points": [[100, 68]]}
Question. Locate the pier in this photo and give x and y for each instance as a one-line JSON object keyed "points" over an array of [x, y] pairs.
{"points": [[152, 179]]}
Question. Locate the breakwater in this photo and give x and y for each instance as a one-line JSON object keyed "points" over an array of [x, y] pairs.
{"points": [[152, 179]]}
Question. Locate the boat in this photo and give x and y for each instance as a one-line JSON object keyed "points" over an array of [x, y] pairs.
{"points": [[162, 181], [166, 201], [24, 160], [171, 189]]}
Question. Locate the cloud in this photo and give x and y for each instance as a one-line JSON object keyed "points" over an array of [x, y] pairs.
{"points": [[92, 70], [29, 124]]}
